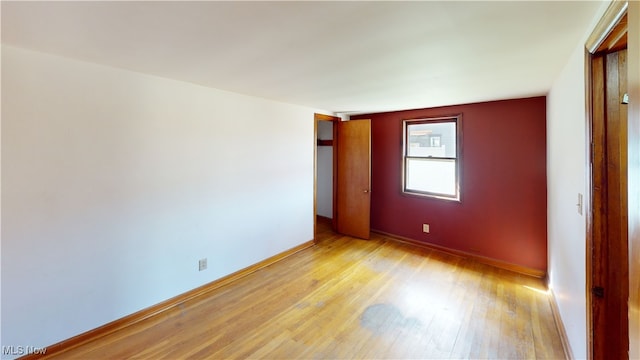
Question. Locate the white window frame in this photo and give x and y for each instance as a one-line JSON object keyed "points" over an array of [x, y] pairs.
{"points": [[457, 120]]}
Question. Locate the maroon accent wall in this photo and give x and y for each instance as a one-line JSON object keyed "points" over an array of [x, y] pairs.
{"points": [[503, 213]]}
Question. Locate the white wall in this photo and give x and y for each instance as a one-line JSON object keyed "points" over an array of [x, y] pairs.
{"points": [[115, 183], [566, 177], [324, 196]]}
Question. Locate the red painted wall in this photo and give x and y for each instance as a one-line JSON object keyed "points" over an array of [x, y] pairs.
{"points": [[504, 188]]}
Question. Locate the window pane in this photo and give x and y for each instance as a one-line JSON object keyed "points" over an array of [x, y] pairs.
{"points": [[432, 139], [431, 175]]}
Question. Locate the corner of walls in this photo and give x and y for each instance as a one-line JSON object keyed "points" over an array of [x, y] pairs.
{"points": [[496, 218]]}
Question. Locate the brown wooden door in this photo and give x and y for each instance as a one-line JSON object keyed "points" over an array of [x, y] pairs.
{"points": [[608, 268], [353, 199]]}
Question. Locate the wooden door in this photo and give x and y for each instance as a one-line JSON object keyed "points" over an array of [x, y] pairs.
{"points": [[353, 196], [608, 253]]}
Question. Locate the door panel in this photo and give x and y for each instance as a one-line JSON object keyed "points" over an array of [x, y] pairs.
{"points": [[609, 250], [353, 202]]}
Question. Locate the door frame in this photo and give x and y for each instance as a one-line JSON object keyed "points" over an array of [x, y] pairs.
{"points": [[633, 181], [334, 119], [606, 37]]}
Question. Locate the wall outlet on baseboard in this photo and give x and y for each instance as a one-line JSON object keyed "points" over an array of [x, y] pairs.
{"points": [[425, 228], [202, 264]]}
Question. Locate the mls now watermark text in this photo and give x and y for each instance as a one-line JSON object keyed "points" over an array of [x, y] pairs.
{"points": [[22, 350]]}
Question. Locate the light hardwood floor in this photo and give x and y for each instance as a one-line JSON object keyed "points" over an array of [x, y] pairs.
{"points": [[347, 298]]}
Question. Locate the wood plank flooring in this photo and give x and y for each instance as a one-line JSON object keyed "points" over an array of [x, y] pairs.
{"points": [[347, 298]]}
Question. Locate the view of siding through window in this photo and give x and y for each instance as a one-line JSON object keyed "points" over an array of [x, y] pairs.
{"points": [[431, 158]]}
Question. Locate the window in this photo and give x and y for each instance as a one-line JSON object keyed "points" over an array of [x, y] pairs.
{"points": [[431, 157]]}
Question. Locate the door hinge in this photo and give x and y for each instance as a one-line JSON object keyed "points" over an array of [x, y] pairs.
{"points": [[598, 291]]}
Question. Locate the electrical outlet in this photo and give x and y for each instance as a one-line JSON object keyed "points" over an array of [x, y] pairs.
{"points": [[425, 228], [202, 264]]}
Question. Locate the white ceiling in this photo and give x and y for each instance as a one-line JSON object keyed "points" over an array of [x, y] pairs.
{"points": [[338, 56]]}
